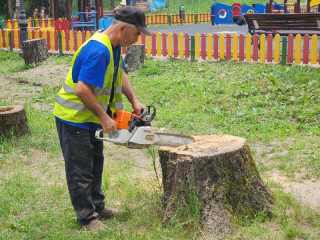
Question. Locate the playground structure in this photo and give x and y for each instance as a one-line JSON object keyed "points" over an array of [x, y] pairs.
{"points": [[233, 14]]}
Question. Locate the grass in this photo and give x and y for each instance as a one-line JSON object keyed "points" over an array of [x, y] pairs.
{"points": [[276, 108]]}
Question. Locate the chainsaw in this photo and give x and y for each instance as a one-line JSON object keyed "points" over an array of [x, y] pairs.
{"points": [[136, 132]]}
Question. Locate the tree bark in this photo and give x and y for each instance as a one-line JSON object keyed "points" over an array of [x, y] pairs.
{"points": [[13, 120], [134, 58], [35, 50], [17, 9], [10, 11], [112, 4], [221, 171]]}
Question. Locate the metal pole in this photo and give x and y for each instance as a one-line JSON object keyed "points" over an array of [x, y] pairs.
{"points": [[23, 23]]}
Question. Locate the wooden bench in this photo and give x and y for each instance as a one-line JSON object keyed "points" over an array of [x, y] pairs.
{"points": [[283, 24]]}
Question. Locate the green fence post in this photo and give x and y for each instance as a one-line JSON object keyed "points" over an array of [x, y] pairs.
{"points": [[10, 41], [284, 51], [192, 48], [169, 18], [60, 44], [196, 18], [34, 23]]}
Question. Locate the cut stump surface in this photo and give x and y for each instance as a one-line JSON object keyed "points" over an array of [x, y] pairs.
{"points": [[221, 171]]}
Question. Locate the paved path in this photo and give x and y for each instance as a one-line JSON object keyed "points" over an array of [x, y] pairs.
{"points": [[201, 28]]}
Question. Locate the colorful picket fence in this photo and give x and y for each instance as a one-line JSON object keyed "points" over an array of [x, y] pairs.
{"points": [[301, 49], [158, 19], [38, 22], [151, 19]]}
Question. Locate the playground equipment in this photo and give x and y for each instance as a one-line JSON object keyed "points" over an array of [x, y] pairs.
{"points": [[233, 14]]}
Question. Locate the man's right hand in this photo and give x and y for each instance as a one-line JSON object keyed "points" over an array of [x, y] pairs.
{"points": [[108, 124]]}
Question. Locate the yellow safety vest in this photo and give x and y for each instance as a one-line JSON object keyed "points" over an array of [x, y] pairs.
{"points": [[70, 108]]}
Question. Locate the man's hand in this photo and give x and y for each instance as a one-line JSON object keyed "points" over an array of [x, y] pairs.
{"points": [[108, 124], [137, 108]]}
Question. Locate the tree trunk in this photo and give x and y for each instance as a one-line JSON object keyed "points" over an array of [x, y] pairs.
{"points": [[10, 11], [112, 4], [134, 58], [221, 171], [17, 9], [35, 50], [13, 120]]}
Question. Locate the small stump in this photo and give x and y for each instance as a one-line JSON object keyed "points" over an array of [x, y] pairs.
{"points": [[35, 50], [222, 172], [13, 119], [134, 58]]}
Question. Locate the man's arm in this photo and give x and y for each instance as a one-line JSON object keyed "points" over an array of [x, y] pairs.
{"points": [[85, 92], [130, 95]]}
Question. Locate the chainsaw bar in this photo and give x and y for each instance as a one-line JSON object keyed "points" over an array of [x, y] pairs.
{"points": [[172, 140]]}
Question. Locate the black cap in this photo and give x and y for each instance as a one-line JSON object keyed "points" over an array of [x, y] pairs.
{"points": [[134, 16]]}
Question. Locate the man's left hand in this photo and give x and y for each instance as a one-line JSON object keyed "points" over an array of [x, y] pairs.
{"points": [[137, 108]]}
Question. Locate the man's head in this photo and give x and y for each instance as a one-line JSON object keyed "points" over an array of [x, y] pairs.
{"points": [[132, 15]]}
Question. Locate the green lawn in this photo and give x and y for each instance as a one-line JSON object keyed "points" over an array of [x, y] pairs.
{"points": [[276, 108]]}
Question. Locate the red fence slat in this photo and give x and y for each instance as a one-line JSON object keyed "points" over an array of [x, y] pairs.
{"points": [[255, 48], [215, 46], [48, 40], [306, 40], [228, 47], [56, 44], [241, 47], [290, 49], [154, 44], [203, 46], [67, 37], [187, 45], [269, 48], [164, 44], [175, 45]]}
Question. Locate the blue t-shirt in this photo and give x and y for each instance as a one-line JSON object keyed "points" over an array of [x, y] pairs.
{"points": [[90, 67]]}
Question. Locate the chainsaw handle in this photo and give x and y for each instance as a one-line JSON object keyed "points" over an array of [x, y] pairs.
{"points": [[150, 116], [137, 120]]}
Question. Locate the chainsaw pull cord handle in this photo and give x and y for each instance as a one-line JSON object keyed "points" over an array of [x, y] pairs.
{"points": [[137, 120]]}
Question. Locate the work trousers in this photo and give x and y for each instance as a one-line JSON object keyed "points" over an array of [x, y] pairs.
{"points": [[83, 156]]}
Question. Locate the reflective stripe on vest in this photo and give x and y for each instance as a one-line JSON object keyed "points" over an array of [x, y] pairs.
{"points": [[70, 108]]}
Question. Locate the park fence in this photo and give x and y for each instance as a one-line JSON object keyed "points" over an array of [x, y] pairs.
{"points": [[299, 49]]}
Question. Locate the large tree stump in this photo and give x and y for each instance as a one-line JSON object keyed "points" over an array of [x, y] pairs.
{"points": [[134, 58], [222, 171], [35, 50], [13, 119]]}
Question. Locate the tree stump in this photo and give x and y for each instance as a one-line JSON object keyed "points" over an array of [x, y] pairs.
{"points": [[13, 119], [134, 58], [35, 50], [222, 171]]}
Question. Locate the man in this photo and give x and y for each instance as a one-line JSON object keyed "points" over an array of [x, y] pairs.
{"points": [[91, 93]]}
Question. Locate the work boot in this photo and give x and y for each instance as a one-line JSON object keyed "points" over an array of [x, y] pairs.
{"points": [[95, 225], [109, 212]]}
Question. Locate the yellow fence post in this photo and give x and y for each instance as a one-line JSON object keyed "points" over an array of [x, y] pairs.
{"points": [[262, 48], [277, 48], [29, 34], [234, 47], [148, 42], [63, 40], [181, 48], [221, 46], [139, 40], [79, 39], [88, 36], [197, 46], [298, 49], [314, 51], [248, 47], [169, 44], [209, 46], [158, 44]]}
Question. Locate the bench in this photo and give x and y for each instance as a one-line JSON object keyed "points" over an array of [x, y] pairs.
{"points": [[283, 24]]}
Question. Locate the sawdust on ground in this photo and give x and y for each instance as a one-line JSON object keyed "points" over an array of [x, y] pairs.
{"points": [[16, 90]]}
